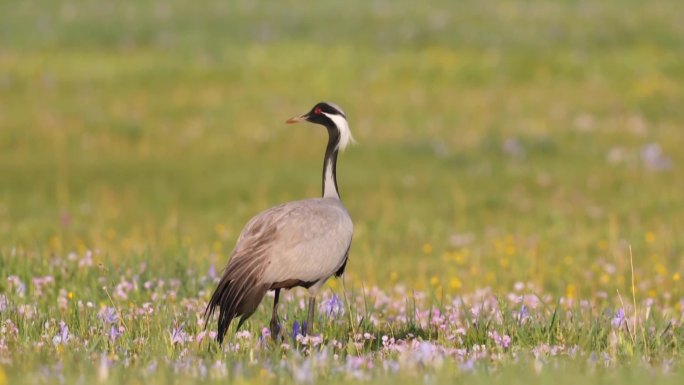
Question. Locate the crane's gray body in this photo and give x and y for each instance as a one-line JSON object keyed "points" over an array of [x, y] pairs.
{"points": [[305, 240]]}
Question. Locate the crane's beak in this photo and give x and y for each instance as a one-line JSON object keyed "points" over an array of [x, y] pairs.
{"points": [[297, 119]]}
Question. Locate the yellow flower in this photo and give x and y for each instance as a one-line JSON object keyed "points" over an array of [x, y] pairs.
{"points": [[220, 229], [217, 246], [571, 291], [71, 295], [650, 237], [3, 376], [434, 281], [510, 249], [55, 243], [427, 248], [676, 277], [455, 283], [460, 257]]}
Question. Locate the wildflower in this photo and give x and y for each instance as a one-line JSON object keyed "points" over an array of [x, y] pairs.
{"points": [[502, 341], [513, 148], [243, 335], [469, 365], [146, 309], [177, 335], [62, 300], [115, 332], [63, 336], [3, 376], [87, 259], [108, 315], [14, 282], [122, 289], [201, 335], [27, 311], [152, 367], [265, 335], [654, 159], [333, 307], [4, 303], [618, 318], [40, 282], [455, 283], [303, 374], [298, 330]]}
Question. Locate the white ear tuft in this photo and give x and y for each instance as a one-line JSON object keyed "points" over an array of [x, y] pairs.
{"points": [[345, 133]]}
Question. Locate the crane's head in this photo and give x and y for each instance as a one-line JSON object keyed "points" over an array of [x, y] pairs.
{"points": [[333, 118]]}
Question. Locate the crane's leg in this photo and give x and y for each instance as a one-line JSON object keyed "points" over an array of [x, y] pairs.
{"points": [[310, 322], [275, 322]]}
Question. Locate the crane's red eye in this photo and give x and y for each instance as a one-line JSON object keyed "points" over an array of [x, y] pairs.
{"points": [[317, 111]]}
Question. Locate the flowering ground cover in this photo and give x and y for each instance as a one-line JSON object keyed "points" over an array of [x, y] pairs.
{"points": [[81, 322], [516, 189]]}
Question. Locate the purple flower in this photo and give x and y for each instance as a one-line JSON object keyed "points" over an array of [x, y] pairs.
{"points": [[63, 336], [618, 318], [114, 333], [523, 314], [177, 335], [425, 351], [303, 374], [265, 335], [502, 341], [654, 159], [4, 303], [40, 282], [505, 341], [122, 289], [468, 366], [14, 282], [333, 306], [296, 330], [108, 315]]}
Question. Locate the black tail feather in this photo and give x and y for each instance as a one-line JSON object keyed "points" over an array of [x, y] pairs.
{"points": [[234, 298]]}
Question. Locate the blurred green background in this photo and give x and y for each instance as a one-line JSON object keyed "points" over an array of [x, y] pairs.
{"points": [[498, 141]]}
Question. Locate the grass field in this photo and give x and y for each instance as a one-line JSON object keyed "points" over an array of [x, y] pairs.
{"points": [[516, 189]]}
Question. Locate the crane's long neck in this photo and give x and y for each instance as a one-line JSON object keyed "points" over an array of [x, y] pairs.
{"points": [[330, 165]]}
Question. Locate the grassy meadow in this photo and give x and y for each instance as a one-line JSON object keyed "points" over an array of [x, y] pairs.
{"points": [[517, 188]]}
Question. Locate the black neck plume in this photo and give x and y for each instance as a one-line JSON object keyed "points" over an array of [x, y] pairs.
{"points": [[330, 164]]}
